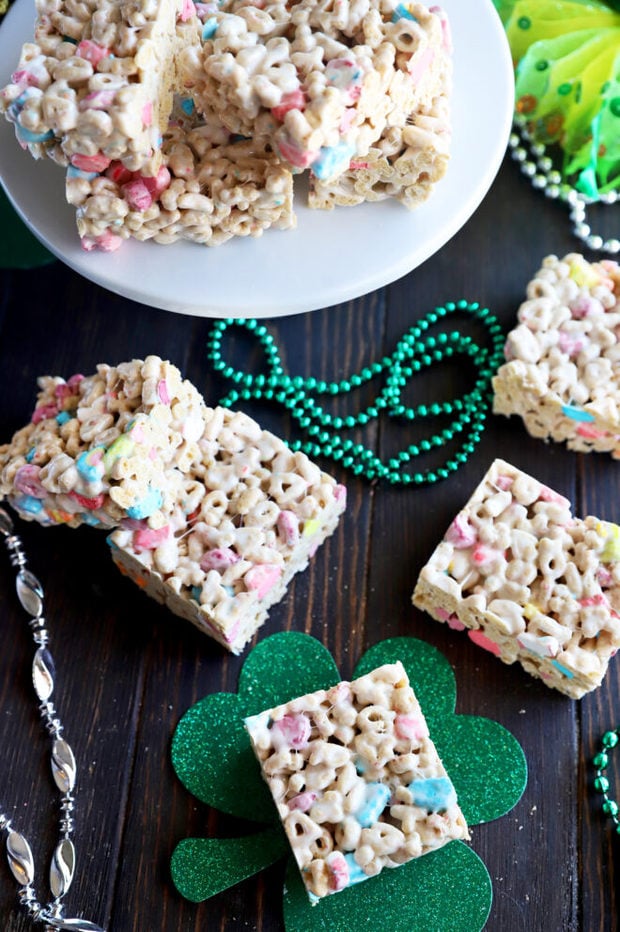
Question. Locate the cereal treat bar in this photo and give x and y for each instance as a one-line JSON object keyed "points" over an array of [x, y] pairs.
{"points": [[96, 83], [250, 515], [528, 581], [561, 374], [209, 188], [99, 449], [405, 164], [320, 81], [356, 779]]}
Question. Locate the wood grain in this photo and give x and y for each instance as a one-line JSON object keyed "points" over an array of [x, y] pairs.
{"points": [[127, 670]]}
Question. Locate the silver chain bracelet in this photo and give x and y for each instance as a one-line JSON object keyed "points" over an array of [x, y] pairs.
{"points": [[62, 866]]}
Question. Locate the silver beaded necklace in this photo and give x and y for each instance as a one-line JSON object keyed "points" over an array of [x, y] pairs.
{"points": [[21, 863], [536, 165]]}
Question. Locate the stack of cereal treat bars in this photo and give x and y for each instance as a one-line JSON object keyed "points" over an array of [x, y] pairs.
{"points": [[528, 581], [561, 374], [209, 514], [356, 779], [177, 120]]}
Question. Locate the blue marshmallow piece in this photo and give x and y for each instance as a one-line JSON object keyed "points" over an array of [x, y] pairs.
{"points": [[146, 506], [209, 29], [577, 414], [376, 799], [435, 794], [402, 12], [332, 160], [356, 874]]}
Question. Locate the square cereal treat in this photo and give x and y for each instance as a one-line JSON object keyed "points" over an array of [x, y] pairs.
{"points": [[356, 779], [250, 514], [210, 187], [529, 581], [96, 83], [320, 82], [561, 374], [405, 163], [108, 446]]}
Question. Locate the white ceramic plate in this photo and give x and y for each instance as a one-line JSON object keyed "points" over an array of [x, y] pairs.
{"points": [[332, 256]]}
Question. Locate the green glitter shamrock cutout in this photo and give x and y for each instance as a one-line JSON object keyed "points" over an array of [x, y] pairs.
{"points": [[447, 890]]}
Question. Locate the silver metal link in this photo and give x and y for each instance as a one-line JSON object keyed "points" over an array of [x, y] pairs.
{"points": [[19, 854], [537, 166]]}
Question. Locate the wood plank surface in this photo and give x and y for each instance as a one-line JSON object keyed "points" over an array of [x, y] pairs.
{"points": [[127, 670]]}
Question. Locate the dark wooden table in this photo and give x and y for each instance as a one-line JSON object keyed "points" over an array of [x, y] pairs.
{"points": [[127, 670]]}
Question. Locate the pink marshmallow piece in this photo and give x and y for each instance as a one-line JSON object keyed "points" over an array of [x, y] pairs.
{"points": [[461, 533], [90, 163], [294, 729], [91, 52], [294, 100], [262, 578], [338, 871], [219, 559], [303, 801], [410, 728], [27, 481], [149, 539], [481, 640], [288, 527], [155, 185], [137, 194], [97, 100], [43, 412]]}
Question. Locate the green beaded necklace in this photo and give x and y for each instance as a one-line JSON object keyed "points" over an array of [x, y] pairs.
{"points": [[601, 783], [413, 353]]}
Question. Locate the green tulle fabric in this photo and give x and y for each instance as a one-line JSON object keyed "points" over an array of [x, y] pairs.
{"points": [[567, 71]]}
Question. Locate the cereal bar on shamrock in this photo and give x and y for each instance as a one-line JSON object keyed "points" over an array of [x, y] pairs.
{"points": [[250, 514], [96, 82], [356, 779], [561, 374], [528, 581], [210, 187], [101, 448], [320, 82]]}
